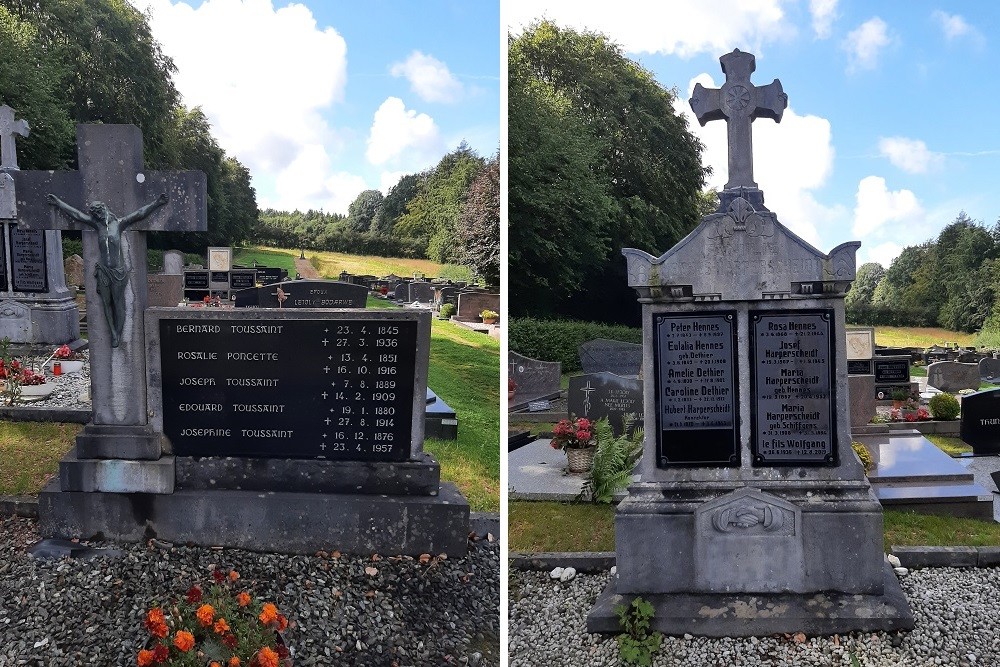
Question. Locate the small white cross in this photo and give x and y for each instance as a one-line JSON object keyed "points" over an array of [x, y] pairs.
{"points": [[323, 446], [325, 341], [326, 369], [327, 423], [324, 395], [326, 331]]}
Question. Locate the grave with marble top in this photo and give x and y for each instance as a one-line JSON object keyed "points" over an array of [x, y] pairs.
{"points": [[748, 482]]}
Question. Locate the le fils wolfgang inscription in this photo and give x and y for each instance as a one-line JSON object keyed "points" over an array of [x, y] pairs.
{"points": [[334, 389]]}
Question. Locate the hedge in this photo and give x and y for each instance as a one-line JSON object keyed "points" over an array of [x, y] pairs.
{"points": [[560, 340]]}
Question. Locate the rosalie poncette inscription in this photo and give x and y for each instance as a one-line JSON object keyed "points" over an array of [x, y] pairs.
{"points": [[792, 387], [334, 389], [696, 392]]}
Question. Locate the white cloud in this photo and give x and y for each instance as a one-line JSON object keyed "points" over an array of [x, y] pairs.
{"points": [[388, 179], [309, 183], [400, 135], [910, 155], [788, 184], [882, 253], [429, 78], [824, 12], [955, 27], [243, 63], [878, 207], [864, 44], [681, 27]]}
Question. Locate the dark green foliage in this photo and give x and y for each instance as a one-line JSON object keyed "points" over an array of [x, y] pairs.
{"points": [[447, 311], [363, 211], [636, 644], [395, 203], [614, 460], [316, 230], [478, 230], [599, 160], [944, 406], [559, 340], [865, 282]]}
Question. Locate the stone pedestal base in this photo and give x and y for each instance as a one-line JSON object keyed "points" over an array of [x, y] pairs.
{"points": [[99, 441], [280, 522], [116, 475], [747, 615]]}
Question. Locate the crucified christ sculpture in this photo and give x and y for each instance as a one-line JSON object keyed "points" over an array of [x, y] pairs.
{"points": [[111, 273]]}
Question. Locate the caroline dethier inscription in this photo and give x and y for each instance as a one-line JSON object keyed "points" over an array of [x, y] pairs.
{"points": [[792, 366], [333, 389], [110, 271], [695, 389]]}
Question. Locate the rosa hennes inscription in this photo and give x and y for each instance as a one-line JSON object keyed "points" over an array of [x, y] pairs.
{"points": [[792, 367], [334, 389], [696, 399]]}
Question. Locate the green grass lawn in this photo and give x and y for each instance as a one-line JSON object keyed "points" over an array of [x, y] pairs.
{"points": [[949, 445], [552, 526], [275, 258], [30, 453], [920, 336]]}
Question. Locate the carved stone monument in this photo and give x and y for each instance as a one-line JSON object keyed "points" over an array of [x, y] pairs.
{"points": [[36, 306], [753, 515]]}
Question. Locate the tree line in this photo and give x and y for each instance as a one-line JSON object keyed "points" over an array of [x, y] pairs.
{"points": [[96, 61], [449, 213], [952, 281]]}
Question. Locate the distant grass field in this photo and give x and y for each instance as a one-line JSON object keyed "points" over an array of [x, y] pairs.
{"points": [[331, 264], [277, 258], [920, 336]]}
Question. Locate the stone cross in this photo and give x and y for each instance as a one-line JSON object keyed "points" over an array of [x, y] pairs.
{"points": [[8, 160], [739, 103], [112, 172]]}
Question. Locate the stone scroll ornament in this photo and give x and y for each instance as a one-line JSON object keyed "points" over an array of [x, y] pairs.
{"points": [[111, 272]]}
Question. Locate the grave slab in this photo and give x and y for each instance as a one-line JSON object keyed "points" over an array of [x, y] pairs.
{"points": [[952, 376], [613, 356]]}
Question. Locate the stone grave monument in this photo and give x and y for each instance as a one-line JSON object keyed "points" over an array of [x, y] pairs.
{"points": [[599, 395], [304, 294], [861, 375], [753, 515], [953, 376], [535, 380], [36, 306], [989, 370], [614, 356], [980, 425]]}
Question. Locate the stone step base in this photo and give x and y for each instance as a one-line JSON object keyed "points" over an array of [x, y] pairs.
{"points": [[760, 615], [279, 522]]}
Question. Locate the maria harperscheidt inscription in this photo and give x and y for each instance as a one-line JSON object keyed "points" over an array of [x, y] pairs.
{"points": [[695, 388], [333, 389], [793, 387]]}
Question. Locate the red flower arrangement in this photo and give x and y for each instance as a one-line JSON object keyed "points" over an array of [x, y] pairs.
{"points": [[30, 377], [217, 626], [64, 353], [576, 434]]}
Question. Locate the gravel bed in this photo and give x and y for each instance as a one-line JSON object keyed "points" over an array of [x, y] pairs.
{"points": [[90, 612], [71, 388], [956, 612]]}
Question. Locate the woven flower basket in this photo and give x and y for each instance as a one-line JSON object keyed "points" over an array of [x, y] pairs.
{"points": [[580, 460]]}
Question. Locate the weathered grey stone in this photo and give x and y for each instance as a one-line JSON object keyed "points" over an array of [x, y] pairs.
{"points": [[952, 376], [861, 390], [613, 356], [420, 292], [165, 289], [74, 270], [534, 378], [989, 369], [472, 303], [116, 475], [173, 262], [15, 321], [860, 344], [936, 556]]}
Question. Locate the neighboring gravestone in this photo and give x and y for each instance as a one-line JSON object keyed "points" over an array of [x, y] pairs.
{"points": [[268, 275], [31, 262], [980, 425], [401, 292], [860, 350], [165, 289], [195, 284], [989, 370], [861, 390], [534, 379], [74, 271], [173, 263], [421, 292], [289, 431], [753, 516], [447, 295], [599, 395], [952, 376], [304, 294], [472, 304], [891, 372], [613, 356]]}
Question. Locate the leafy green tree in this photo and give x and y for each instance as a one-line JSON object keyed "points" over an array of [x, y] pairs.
{"points": [[364, 209], [478, 230], [865, 282], [395, 203]]}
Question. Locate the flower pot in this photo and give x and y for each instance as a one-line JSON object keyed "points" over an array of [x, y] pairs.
{"points": [[510, 394], [580, 460], [489, 320], [68, 365], [36, 392]]}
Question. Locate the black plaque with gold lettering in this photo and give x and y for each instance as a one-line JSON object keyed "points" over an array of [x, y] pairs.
{"points": [[27, 260], [792, 401], [697, 402], [334, 389]]}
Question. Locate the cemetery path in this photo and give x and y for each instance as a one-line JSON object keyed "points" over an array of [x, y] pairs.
{"points": [[305, 269]]}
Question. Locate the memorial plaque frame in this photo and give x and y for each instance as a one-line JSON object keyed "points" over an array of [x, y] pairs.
{"points": [[831, 457], [859, 367], [673, 451], [891, 371], [238, 278], [3, 258], [193, 280], [39, 287]]}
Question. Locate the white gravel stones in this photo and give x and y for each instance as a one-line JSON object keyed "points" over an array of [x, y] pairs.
{"points": [[956, 612], [71, 388], [901, 571], [567, 574], [893, 560], [556, 573]]}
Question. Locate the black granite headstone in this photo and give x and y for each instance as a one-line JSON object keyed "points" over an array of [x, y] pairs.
{"points": [[980, 425], [892, 370], [697, 402], [291, 389], [27, 265], [242, 279], [599, 395], [268, 275], [196, 280], [304, 294], [613, 356], [859, 367], [3, 258], [793, 388]]}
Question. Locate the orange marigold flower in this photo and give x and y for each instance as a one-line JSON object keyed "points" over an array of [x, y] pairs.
{"points": [[234, 662], [233, 575], [267, 657], [154, 618], [282, 623], [269, 614], [145, 658], [160, 654], [221, 627], [184, 640], [243, 598], [159, 630], [214, 664], [205, 614]]}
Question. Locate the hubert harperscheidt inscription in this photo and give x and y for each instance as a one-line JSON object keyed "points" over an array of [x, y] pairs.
{"points": [[696, 395], [110, 272], [333, 389], [793, 387]]}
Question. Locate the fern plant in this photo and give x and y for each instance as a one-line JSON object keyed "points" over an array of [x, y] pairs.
{"points": [[614, 459]]}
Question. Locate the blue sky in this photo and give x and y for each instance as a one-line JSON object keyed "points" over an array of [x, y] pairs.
{"points": [[891, 128], [322, 99]]}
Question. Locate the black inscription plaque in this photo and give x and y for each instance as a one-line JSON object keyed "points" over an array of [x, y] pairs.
{"points": [[892, 369], [3, 257], [268, 275], [196, 280], [333, 389], [696, 393], [304, 294], [599, 395], [980, 426], [27, 260], [242, 279], [792, 388], [859, 366], [219, 279]]}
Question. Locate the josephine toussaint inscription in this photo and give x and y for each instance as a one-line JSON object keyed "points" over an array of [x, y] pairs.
{"points": [[336, 389], [696, 396], [792, 387]]}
